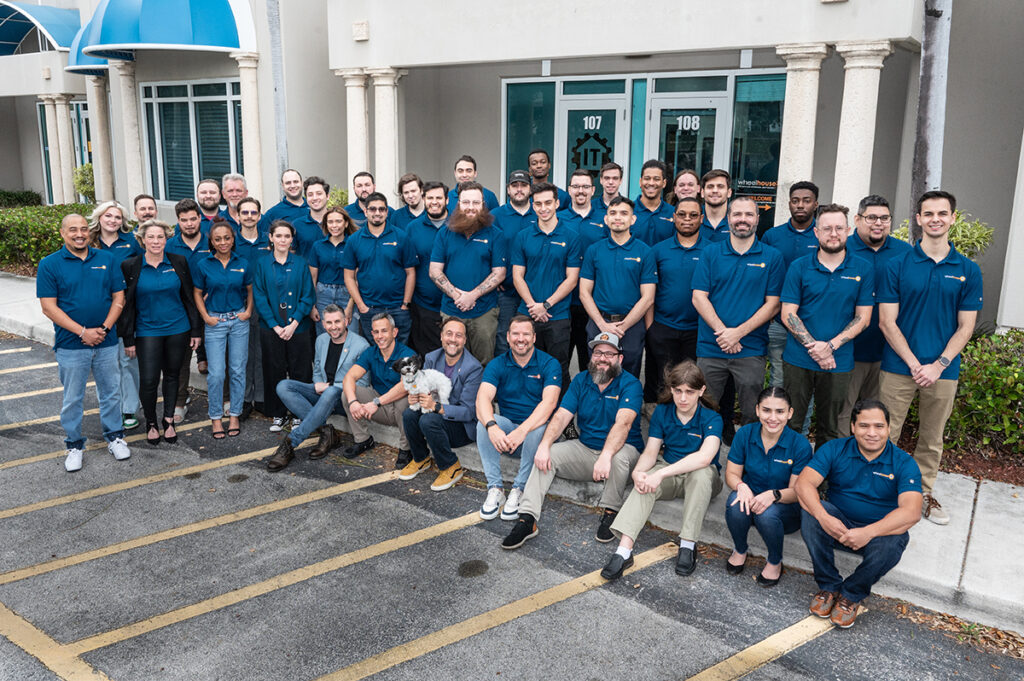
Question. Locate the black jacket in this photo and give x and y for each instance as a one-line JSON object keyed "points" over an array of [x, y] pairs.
{"points": [[132, 268]]}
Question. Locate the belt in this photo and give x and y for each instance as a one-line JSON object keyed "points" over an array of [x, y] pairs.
{"points": [[226, 316], [613, 318], [330, 285]]}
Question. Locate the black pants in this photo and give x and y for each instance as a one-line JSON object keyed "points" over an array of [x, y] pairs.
{"points": [[426, 329], [666, 347], [553, 338], [578, 338], [160, 355], [283, 359]]}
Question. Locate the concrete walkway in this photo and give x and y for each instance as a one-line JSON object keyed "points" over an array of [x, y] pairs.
{"points": [[968, 568]]}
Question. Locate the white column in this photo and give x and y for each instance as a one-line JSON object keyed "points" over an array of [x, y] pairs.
{"points": [[357, 123], [1011, 303], [56, 185], [799, 119], [252, 149], [857, 122], [99, 126], [131, 130], [385, 131], [67, 148]]}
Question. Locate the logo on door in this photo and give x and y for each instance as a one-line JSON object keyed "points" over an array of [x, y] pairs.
{"points": [[591, 151]]}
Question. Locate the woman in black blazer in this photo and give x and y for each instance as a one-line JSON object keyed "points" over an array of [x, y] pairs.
{"points": [[159, 322]]}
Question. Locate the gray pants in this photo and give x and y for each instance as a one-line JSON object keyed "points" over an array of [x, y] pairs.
{"points": [[697, 488], [747, 373], [388, 414]]}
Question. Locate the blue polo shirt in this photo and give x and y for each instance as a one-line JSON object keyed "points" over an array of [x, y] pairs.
{"points": [[176, 244], [737, 286], [867, 346], [511, 222], [285, 210], [598, 201], [420, 233], [790, 242], [307, 232], [490, 200], [380, 263], [681, 439], [224, 286], [623, 269], [359, 216], [826, 303], [326, 257], [930, 295], [673, 301], [769, 470], [251, 251], [159, 310], [225, 214], [590, 227], [123, 248], [865, 491], [714, 233], [382, 377], [595, 409], [652, 226], [467, 262], [84, 290], [205, 223], [518, 390], [401, 218], [546, 257]]}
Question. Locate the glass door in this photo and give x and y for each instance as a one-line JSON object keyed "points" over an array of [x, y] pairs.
{"points": [[688, 133], [588, 134]]}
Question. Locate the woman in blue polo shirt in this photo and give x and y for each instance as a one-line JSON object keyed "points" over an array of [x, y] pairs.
{"points": [[680, 460], [282, 291], [764, 461], [325, 263], [223, 282]]}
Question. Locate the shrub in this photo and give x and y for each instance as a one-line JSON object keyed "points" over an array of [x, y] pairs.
{"points": [[990, 401], [84, 183], [337, 198], [30, 233], [969, 237], [10, 199]]}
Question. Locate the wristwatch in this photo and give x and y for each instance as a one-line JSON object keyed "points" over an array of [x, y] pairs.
{"points": [[778, 495], [376, 401], [547, 305], [490, 423], [104, 328], [943, 362], [437, 407]]}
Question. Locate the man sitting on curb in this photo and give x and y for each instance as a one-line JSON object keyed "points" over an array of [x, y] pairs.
{"points": [[444, 426], [385, 399], [874, 498], [606, 402], [336, 352]]}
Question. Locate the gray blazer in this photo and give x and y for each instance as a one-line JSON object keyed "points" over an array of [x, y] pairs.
{"points": [[465, 384], [354, 346]]}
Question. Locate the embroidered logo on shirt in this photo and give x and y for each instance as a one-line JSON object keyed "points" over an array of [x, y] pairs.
{"points": [[239, 269], [481, 241], [788, 462], [611, 397], [389, 243], [889, 476], [99, 267], [633, 259], [762, 265], [857, 278], [950, 276], [537, 376], [697, 435], [558, 243]]}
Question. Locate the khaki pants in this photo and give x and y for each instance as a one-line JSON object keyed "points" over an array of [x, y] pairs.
{"points": [[573, 460], [480, 332], [697, 488], [388, 414], [863, 386], [934, 408]]}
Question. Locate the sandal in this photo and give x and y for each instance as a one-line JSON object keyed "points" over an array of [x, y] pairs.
{"points": [[150, 427], [234, 430], [169, 425], [217, 434]]}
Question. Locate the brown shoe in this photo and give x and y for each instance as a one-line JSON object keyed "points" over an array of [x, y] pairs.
{"points": [[282, 457], [844, 614], [823, 602], [329, 439]]}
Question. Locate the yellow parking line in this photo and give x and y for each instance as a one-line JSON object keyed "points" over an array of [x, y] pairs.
{"points": [[33, 393], [45, 419], [13, 350], [489, 620], [64, 664], [199, 526], [268, 585], [30, 367]]}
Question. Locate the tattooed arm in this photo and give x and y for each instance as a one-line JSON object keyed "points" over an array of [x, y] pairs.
{"points": [[441, 281], [860, 321], [819, 351], [496, 276]]}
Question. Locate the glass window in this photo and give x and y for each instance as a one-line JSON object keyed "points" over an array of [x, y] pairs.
{"points": [[636, 142], [236, 108], [213, 134], [757, 134], [172, 91], [209, 89], [530, 121], [176, 149], [41, 108], [692, 84], [594, 87]]}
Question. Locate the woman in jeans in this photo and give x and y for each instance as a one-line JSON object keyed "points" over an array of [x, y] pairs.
{"points": [[325, 264], [159, 323], [223, 293]]}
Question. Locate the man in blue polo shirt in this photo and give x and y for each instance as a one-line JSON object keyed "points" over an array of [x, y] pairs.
{"points": [[827, 300], [653, 215], [511, 218], [292, 205], [545, 259], [385, 399], [525, 382], [539, 163], [363, 185], [736, 292], [874, 498], [605, 401], [308, 225], [610, 178], [380, 269], [617, 284], [234, 189], [928, 305], [872, 242], [465, 171], [716, 188], [144, 207], [425, 310], [410, 188], [81, 290], [208, 197]]}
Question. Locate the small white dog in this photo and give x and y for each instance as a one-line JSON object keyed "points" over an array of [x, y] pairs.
{"points": [[420, 381]]}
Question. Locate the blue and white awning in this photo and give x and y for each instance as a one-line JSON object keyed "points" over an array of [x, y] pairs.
{"points": [[17, 19]]}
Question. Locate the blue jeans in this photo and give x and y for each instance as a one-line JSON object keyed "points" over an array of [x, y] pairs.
{"points": [[74, 367], [881, 554], [508, 303], [437, 433], [129, 368], [403, 320], [773, 524], [227, 348], [314, 409], [327, 294], [491, 458]]}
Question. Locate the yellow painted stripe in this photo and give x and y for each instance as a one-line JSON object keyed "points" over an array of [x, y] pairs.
{"points": [[45, 419], [489, 620], [268, 585], [30, 367], [768, 650], [191, 528], [64, 664], [13, 350], [33, 393]]}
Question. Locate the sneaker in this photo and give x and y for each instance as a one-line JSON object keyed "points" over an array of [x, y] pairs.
{"points": [[604, 530], [822, 603], [352, 451], [414, 468], [119, 448], [448, 477], [180, 413], [525, 528], [277, 425], [492, 504], [510, 511], [844, 614], [932, 510], [129, 422], [402, 459], [74, 461], [296, 423]]}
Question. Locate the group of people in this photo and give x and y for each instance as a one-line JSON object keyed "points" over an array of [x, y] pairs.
{"points": [[309, 309]]}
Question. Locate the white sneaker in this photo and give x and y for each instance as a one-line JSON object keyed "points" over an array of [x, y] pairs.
{"points": [[74, 461], [510, 511], [277, 425], [119, 448], [932, 510], [492, 505], [179, 414], [296, 423]]}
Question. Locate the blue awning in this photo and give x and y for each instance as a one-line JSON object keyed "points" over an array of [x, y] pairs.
{"points": [[59, 26], [84, 64], [119, 27]]}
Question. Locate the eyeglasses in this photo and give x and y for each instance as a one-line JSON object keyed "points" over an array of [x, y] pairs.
{"points": [[691, 216], [248, 212], [471, 204], [835, 229], [377, 210], [608, 354], [580, 187], [882, 219]]}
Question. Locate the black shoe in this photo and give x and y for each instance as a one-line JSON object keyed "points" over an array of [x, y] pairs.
{"points": [[604, 530], [358, 448], [282, 457], [616, 564], [767, 583], [728, 432], [329, 439], [525, 528], [169, 423], [404, 457], [686, 562], [152, 440], [246, 412], [735, 569]]}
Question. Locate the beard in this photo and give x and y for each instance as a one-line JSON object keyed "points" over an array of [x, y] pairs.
{"points": [[832, 250], [601, 376], [468, 225]]}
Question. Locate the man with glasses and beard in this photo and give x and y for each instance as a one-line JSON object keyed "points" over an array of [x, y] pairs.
{"points": [[425, 309]]}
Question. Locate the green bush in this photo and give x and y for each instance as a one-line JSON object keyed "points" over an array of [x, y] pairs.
{"points": [[969, 237], [10, 199], [30, 233], [84, 183], [990, 401], [338, 198]]}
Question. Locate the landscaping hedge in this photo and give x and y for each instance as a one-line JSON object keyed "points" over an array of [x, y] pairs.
{"points": [[30, 233], [9, 199], [990, 401]]}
